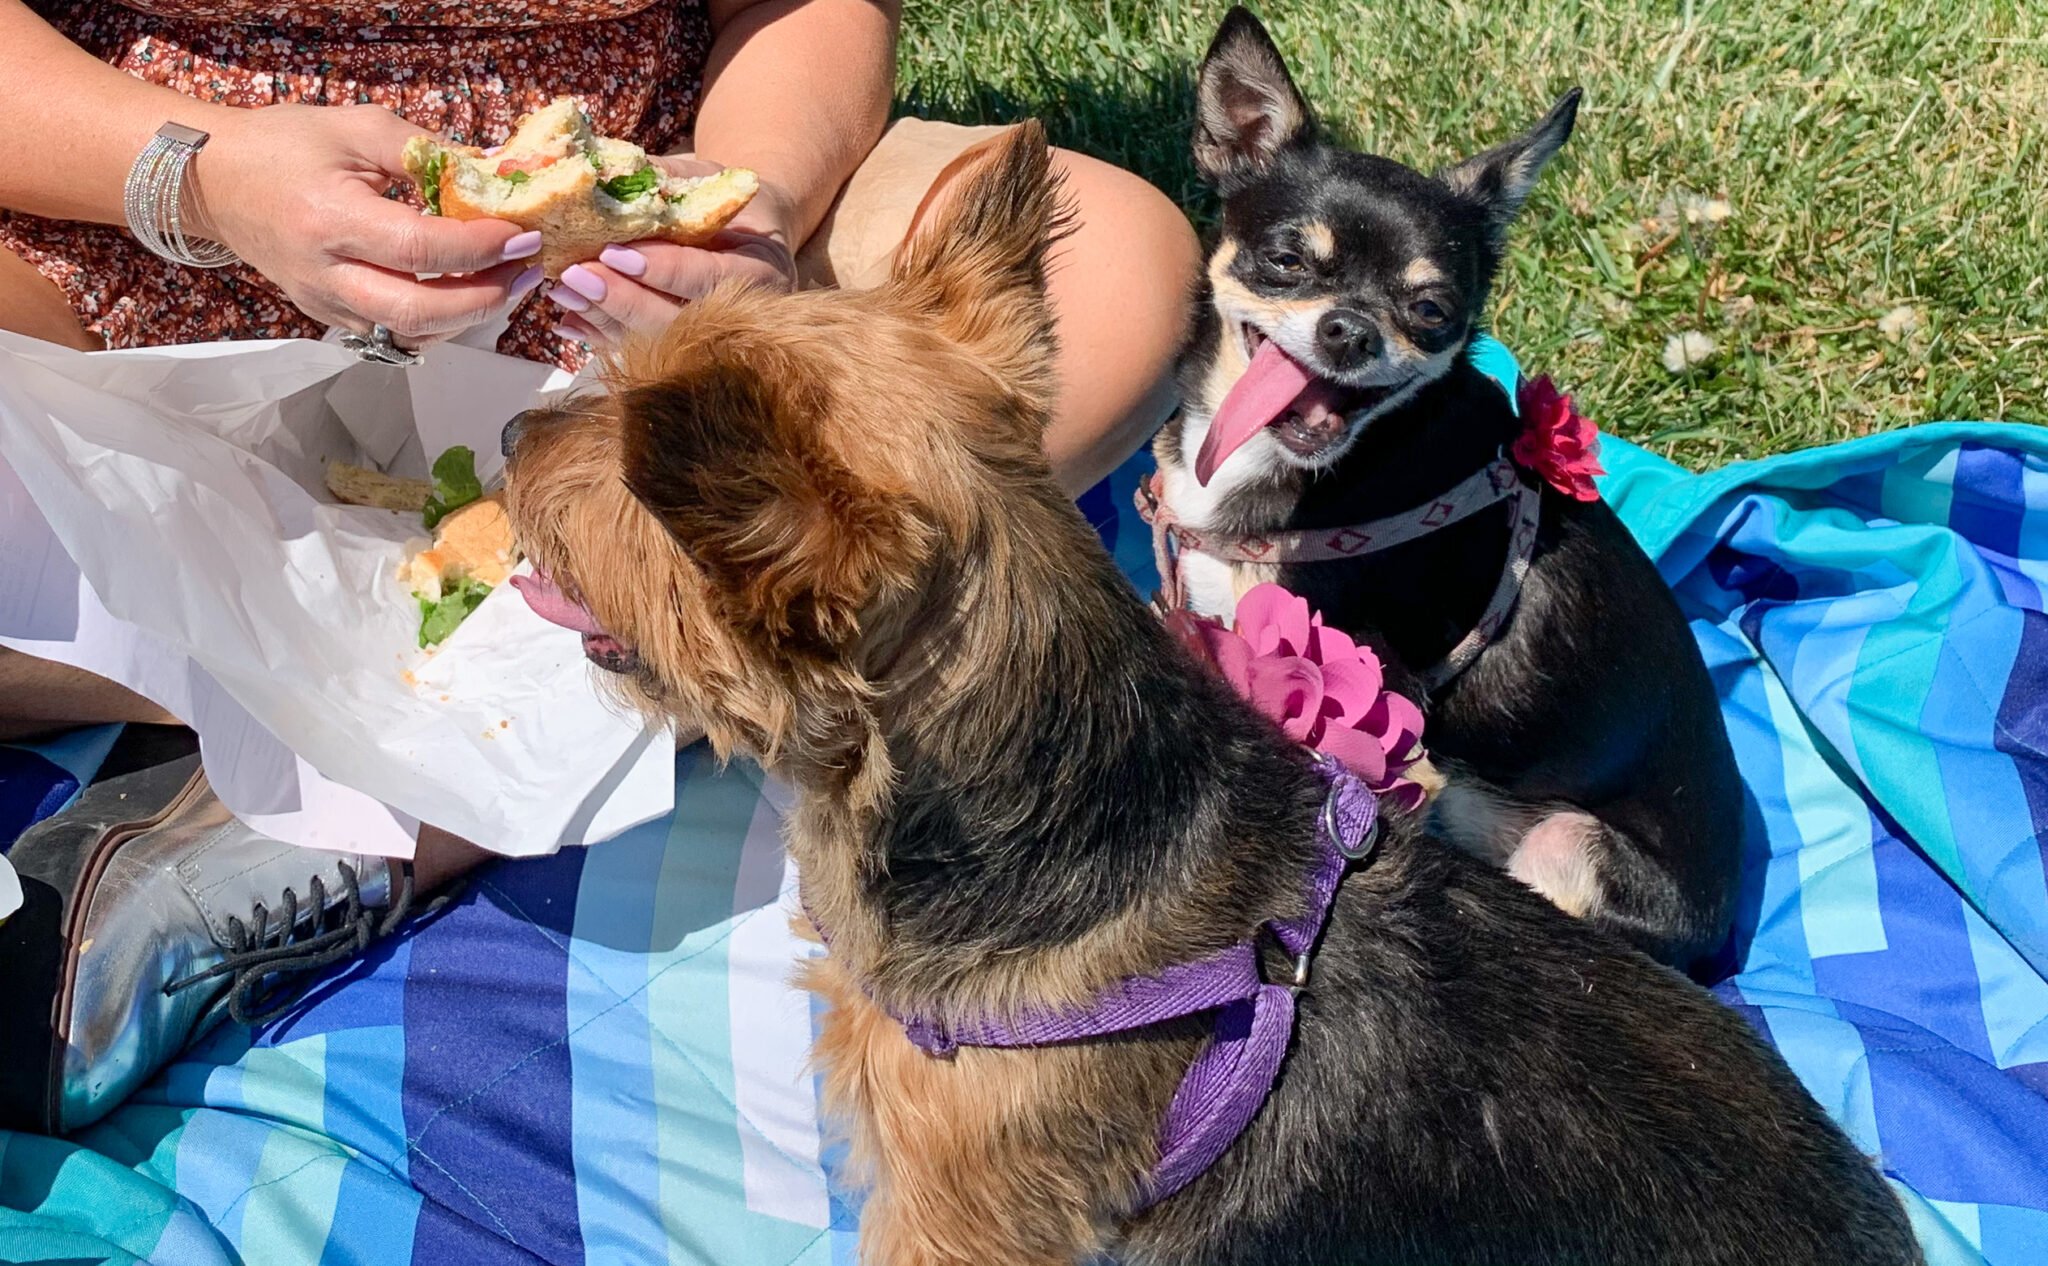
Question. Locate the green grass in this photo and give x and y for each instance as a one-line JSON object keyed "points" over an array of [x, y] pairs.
{"points": [[1873, 154]]}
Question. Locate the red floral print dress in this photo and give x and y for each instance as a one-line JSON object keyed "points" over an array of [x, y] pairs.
{"points": [[464, 70]]}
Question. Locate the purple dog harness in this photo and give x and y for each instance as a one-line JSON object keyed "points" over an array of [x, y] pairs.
{"points": [[1229, 1081]]}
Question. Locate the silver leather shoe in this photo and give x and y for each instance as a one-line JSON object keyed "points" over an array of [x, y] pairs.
{"points": [[152, 913]]}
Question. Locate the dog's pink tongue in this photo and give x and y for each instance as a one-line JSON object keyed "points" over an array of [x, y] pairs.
{"points": [[551, 604], [1272, 383]]}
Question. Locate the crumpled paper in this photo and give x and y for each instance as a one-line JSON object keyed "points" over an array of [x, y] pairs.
{"points": [[165, 524]]}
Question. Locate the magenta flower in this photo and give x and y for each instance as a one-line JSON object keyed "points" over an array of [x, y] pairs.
{"points": [[1557, 442], [1326, 691]]}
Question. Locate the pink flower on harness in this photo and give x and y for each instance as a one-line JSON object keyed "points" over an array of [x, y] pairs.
{"points": [[1325, 690], [1557, 442]]}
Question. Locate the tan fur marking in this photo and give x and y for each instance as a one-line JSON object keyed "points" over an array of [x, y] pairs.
{"points": [[1421, 272], [1319, 240]]}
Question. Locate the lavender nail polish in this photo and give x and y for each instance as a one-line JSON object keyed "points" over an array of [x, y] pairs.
{"points": [[584, 282], [624, 259], [568, 298], [523, 245], [526, 281]]}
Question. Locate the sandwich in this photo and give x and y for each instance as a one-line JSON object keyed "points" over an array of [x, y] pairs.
{"points": [[472, 551], [581, 190]]}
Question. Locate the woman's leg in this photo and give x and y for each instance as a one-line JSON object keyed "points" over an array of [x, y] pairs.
{"points": [[1119, 287], [31, 304], [38, 695]]}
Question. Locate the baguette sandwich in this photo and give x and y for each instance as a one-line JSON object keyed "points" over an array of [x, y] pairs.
{"points": [[581, 190]]}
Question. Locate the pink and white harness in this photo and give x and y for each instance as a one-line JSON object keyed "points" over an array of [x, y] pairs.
{"points": [[1501, 480]]}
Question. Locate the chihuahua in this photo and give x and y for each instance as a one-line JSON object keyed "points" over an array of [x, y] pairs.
{"points": [[1328, 383]]}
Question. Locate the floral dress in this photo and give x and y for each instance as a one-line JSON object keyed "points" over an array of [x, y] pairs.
{"points": [[466, 71]]}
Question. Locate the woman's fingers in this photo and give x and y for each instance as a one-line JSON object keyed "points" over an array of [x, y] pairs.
{"points": [[639, 289], [611, 304], [391, 235], [419, 311]]}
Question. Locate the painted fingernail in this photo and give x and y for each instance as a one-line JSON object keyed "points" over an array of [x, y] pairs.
{"points": [[526, 281], [492, 152], [584, 282], [523, 245], [568, 298], [572, 335], [624, 259]]}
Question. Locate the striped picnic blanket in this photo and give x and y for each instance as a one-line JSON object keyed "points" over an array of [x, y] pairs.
{"points": [[595, 1057]]}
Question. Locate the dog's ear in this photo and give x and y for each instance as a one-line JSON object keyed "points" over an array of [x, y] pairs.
{"points": [[976, 270], [1500, 179], [729, 455], [1247, 108]]}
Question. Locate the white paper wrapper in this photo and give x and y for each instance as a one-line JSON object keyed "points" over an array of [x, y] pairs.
{"points": [[164, 522]]}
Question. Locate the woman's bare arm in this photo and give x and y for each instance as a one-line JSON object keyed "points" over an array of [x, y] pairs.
{"points": [[75, 124], [798, 90]]}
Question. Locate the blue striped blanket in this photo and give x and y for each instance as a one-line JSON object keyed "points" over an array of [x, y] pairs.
{"points": [[596, 1057]]}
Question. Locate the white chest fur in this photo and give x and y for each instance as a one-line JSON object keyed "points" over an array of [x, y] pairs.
{"points": [[1213, 585]]}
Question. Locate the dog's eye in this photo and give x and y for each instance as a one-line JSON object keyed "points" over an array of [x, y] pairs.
{"points": [[1429, 312], [1286, 261]]}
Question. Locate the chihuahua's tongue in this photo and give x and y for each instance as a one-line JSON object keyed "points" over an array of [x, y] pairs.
{"points": [[1272, 383]]}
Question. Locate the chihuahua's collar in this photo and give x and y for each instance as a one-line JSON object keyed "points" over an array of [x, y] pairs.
{"points": [[1499, 481]]}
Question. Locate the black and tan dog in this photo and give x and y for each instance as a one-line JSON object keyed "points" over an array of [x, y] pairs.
{"points": [[1584, 745], [821, 524]]}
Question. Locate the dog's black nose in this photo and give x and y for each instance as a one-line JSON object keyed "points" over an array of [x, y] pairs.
{"points": [[1348, 338], [508, 439]]}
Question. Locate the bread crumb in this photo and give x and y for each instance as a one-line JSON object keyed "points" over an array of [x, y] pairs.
{"points": [[409, 679], [444, 698], [504, 725]]}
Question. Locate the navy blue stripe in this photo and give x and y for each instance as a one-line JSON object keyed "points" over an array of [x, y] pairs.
{"points": [[1989, 505], [487, 1096], [2022, 729]]}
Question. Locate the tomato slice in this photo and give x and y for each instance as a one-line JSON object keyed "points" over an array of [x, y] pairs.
{"points": [[528, 165]]}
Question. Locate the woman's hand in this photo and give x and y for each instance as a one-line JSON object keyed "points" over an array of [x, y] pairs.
{"points": [[298, 192], [639, 288]]}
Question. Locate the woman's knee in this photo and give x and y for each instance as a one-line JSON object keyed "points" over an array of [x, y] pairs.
{"points": [[1130, 259]]}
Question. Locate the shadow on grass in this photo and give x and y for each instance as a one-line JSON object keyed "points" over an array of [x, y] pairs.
{"points": [[1140, 122]]}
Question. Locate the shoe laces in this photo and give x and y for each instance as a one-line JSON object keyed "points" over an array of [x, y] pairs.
{"points": [[273, 963]]}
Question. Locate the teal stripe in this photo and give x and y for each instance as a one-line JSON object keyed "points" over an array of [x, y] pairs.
{"points": [[1894, 674], [1837, 871], [1921, 487], [702, 1204], [291, 1199]]}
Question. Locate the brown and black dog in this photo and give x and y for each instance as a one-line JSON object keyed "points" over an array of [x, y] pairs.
{"points": [[821, 525]]}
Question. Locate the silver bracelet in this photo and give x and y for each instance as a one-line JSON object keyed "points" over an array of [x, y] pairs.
{"points": [[153, 199]]}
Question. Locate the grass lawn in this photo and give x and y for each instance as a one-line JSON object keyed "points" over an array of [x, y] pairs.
{"points": [[1849, 199]]}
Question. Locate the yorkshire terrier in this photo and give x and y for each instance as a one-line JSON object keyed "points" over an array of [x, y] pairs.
{"points": [[1327, 383], [822, 526]]}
